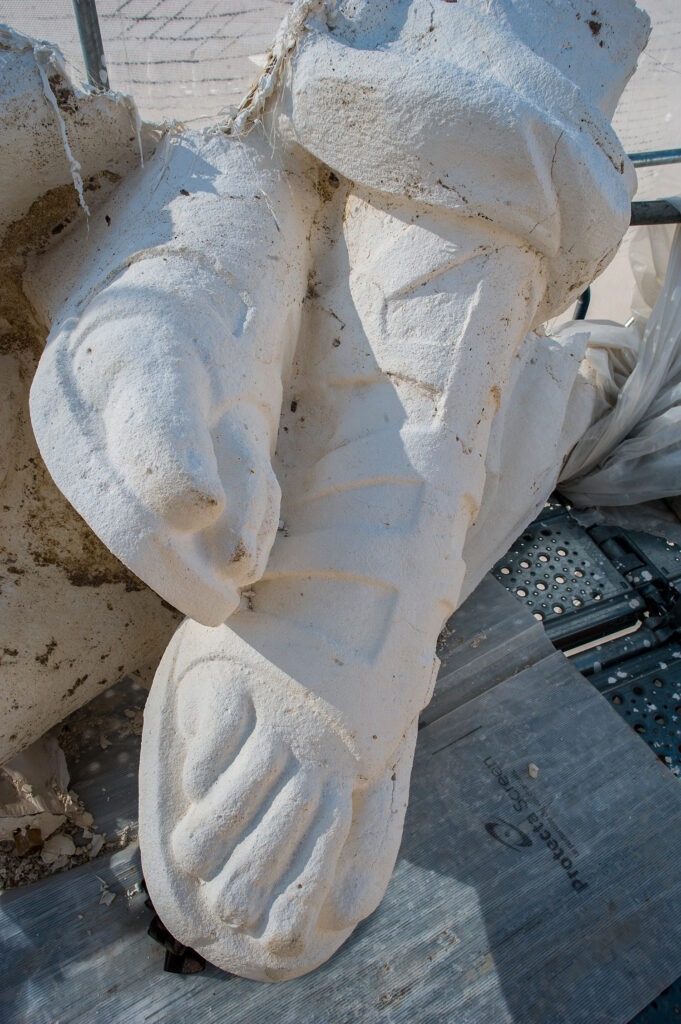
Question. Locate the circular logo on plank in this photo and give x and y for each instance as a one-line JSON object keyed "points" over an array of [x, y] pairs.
{"points": [[508, 834]]}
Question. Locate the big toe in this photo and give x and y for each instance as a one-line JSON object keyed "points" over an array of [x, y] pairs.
{"points": [[166, 457]]}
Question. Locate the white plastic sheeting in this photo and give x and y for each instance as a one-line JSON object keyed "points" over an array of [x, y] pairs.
{"points": [[632, 454]]}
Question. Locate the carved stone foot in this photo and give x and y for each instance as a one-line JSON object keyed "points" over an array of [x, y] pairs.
{"points": [[282, 835]]}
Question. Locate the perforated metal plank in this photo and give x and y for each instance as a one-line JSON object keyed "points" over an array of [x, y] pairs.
{"points": [[652, 565], [665, 554], [564, 579], [646, 691], [611, 653]]}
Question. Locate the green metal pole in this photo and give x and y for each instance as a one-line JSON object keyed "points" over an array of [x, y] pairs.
{"points": [[91, 43]]}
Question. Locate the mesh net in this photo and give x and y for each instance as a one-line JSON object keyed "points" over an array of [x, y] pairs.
{"points": [[192, 60]]}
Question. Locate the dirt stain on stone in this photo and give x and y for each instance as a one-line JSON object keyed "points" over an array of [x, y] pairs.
{"points": [[58, 536], [238, 553], [78, 683], [45, 656]]}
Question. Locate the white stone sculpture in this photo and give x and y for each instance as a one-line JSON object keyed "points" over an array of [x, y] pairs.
{"points": [[287, 381]]}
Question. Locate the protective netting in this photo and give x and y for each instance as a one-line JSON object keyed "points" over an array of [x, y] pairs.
{"points": [[633, 453], [194, 59]]}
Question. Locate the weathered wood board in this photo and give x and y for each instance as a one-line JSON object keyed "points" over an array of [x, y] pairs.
{"points": [[554, 899]]}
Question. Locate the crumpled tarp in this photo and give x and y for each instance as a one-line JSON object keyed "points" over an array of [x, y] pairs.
{"points": [[632, 454]]}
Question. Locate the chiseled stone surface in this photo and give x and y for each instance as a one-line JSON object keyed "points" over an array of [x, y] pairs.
{"points": [[292, 377]]}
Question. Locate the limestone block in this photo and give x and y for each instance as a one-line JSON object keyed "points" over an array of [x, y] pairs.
{"points": [[405, 98]]}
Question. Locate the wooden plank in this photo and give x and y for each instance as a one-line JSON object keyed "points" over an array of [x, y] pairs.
{"points": [[490, 638]]}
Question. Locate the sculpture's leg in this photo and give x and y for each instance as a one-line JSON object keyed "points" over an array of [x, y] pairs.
{"points": [[157, 399], [277, 748]]}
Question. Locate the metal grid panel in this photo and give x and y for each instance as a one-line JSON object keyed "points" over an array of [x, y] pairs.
{"points": [[646, 690], [560, 574]]}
